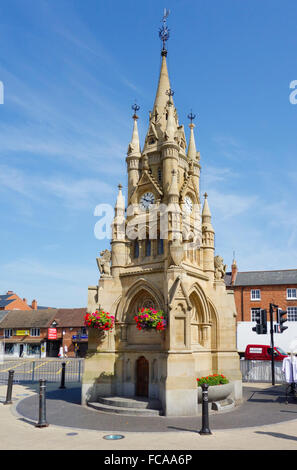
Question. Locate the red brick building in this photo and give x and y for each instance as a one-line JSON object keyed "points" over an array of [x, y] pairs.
{"points": [[254, 290], [42, 333], [11, 301]]}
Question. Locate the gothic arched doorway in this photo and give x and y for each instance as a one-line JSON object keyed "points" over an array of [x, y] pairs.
{"points": [[142, 377]]}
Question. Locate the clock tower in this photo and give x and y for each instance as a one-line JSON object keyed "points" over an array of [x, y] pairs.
{"points": [[163, 257]]}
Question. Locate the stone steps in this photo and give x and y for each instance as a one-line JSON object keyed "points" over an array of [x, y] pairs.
{"points": [[127, 406]]}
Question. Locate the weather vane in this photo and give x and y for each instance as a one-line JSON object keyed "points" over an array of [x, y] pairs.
{"points": [[191, 116], [164, 31], [135, 108]]}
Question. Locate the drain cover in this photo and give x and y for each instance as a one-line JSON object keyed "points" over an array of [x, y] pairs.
{"points": [[113, 437]]}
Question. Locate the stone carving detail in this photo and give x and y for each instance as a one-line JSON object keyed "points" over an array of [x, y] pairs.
{"points": [[145, 303], [220, 267], [104, 263], [177, 252]]}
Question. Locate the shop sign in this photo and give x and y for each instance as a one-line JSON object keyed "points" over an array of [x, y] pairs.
{"points": [[22, 333], [52, 333]]}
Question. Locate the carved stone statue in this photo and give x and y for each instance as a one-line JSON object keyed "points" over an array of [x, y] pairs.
{"points": [[220, 267], [104, 263]]}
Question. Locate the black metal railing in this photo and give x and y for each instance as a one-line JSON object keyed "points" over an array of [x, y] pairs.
{"points": [[51, 370]]}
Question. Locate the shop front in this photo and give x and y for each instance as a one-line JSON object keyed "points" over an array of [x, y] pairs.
{"points": [[80, 344], [24, 348]]}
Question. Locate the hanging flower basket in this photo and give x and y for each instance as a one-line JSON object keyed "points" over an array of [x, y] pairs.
{"points": [[150, 319], [100, 320]]}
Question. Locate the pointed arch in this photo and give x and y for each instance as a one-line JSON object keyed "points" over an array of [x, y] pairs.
{"points": [[139, 292], [200, 333], [214, 321], [197, 294]]}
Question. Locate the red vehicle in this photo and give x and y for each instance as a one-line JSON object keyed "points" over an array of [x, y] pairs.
{"points": [[262, 352]]}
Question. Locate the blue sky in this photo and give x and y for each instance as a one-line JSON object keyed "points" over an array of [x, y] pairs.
{"points": [[71, 70]]}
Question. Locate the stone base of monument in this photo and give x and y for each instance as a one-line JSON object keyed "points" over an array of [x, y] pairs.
{"points": [[127, 406]]}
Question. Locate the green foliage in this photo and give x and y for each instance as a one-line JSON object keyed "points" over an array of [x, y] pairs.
{"points": [[215, 379]]}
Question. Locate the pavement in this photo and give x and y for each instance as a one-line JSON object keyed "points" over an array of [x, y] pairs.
{"points": [[262, 422]]}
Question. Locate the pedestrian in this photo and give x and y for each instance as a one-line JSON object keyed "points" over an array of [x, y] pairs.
{"points": [[65, 350], [61, 352]]}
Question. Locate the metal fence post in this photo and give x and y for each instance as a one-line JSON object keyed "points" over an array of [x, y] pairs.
{"points": [[79, 370], [33, 370], [63, 376], [205, 422], [42, 423], [8, 400]]}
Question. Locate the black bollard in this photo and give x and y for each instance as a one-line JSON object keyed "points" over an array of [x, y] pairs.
{"points": [[205, 422], [42, 423], [63, 376], [8, 400]]}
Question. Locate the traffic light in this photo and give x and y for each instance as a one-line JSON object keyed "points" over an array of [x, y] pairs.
{"points": [[261, 322], [280, 320]]}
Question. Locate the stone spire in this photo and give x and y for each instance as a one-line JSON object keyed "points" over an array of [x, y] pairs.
{"points": [[133, 156], [134, 146], [120, 202], [161, 97], [119, 216], [208, 240], [206, 215], [118, 247], [192, 152]]}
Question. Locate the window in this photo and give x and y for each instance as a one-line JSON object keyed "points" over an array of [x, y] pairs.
{"points": [[159, 175], [254, 313], [255, 294], [33, 349], [292, 293], [136, 249], [8, 333], [292, 313], [160, 246], [35, 332], [9, 348], [148, 248]]}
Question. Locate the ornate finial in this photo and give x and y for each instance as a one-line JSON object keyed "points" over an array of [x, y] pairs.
{"points": [[191, 116], [205, 195], [135, 108], [120, 187], [169, 92], [164, 31]]}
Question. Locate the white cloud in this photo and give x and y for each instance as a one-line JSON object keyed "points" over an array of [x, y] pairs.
{"points": [[230, 205], [72, 192]]}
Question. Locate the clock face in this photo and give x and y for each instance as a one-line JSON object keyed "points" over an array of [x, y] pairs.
{"points": [[146, 201], [188, 205]]}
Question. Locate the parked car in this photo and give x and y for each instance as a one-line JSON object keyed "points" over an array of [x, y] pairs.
{"points": [[262, 352]]}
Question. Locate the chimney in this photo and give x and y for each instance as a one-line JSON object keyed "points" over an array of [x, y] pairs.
{"points": [[9, 292], [25, 300], [34, 304], [234, 272]]}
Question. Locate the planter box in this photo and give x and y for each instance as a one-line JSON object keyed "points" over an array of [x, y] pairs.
{"points": [[216, 392]]}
